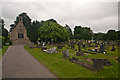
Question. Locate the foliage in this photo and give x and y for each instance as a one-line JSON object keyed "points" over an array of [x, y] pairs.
{"points": [[99, 36], [32, 31], [4, 49], [82, 33], [52, 30], [69, 31], [111, 35], [2, 40], [4, 31]]}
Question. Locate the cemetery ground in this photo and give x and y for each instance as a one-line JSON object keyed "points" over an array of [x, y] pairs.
{"points": [[63, 68], [3, 50]]}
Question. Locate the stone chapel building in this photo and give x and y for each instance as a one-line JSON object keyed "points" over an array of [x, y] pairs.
{"points": [[19, 34]]}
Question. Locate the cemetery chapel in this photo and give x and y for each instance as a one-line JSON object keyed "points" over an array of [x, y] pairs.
{"points": [[19, 34]]}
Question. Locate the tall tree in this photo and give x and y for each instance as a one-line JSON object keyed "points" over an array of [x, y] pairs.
{"points": [[111, 35], [3, 30], [33, 31], [99, 36], [52, 30], [69, 31], [82, 33]]}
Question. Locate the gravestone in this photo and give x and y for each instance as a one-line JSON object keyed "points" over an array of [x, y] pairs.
{"points": [[98, 64], [72, 44], [84, 46], [51, 41], [48, 43], [59, 47], [96, 44], [43, 47], [102, 48], [80, 52], [51, 50], [39, 44], [66, 54], [113, 48], [31, 45], [74, 58], [107, 63], [96, 49]]}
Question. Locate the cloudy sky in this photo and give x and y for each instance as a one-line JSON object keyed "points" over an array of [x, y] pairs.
{"points": [[99, 16]]}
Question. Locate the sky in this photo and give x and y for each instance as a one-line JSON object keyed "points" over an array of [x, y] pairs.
{"points": [[100, 15]]}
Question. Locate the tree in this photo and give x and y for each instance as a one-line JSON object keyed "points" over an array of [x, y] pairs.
{"points": [[3, 30], [32, 31], [111, 35], [82, 33], [52, 30], [2, 40], [69, 31], [99, 36]]}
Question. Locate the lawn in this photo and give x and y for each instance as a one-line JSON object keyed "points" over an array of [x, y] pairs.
{"points": [[3, 50], [63, 68]]}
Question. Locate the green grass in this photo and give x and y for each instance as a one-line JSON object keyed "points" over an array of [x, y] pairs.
{"points": [[3, 50], [63, 68]]}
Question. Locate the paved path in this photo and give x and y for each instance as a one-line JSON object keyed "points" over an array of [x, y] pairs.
{"points": [[18, 63]]}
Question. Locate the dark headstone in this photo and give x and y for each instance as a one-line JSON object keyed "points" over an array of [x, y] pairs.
{"points": [[107, 63], [59, 47], [102, 48], [84, 46], [98, 64], [113, 48], [80, 52], [74, 58], [72, 44]]}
